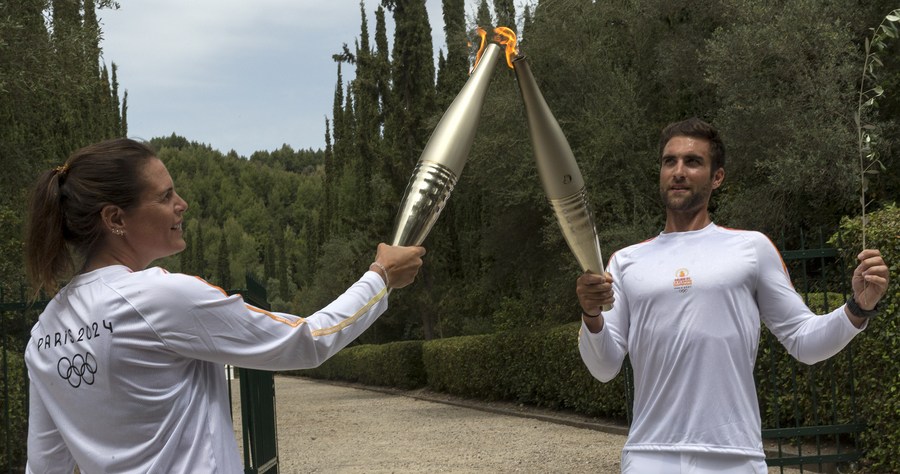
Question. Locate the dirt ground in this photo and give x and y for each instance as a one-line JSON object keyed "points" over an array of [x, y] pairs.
{"points": [[332, 428]]}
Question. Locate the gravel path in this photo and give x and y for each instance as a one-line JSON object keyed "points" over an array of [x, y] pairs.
{"points": [[335, 428], [325, 427]]}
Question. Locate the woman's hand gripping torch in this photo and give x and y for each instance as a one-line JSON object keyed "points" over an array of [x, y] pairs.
{"points": [[559, 172], [444, 156]]}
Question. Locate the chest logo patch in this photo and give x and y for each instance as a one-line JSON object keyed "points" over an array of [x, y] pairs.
{"points": [[682, 281]]}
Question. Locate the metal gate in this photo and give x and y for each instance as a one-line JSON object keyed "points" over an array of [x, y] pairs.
{"points": [[16, 319], [810, 416], [260, 434]]}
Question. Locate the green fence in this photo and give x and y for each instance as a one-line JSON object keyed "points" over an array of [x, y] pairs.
{"points": [[260, 438], [17, 316], [810, 415]]}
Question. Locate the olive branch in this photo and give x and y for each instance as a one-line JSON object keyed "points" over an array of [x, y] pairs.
{"points": [[869, 90]]}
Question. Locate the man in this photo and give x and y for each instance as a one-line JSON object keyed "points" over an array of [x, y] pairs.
{"points": [[687, 307]]}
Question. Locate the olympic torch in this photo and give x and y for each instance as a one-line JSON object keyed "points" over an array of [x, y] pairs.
{"points": [[560, 176], [444, 156]]}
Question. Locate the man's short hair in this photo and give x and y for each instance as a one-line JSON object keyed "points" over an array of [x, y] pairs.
{"points": [[696, 128]]}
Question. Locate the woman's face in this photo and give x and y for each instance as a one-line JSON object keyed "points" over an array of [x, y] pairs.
{"points": [[153, 227]]}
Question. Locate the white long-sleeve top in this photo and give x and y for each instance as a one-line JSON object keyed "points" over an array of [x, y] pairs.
{"points": [[687, 312], [126, 368]]}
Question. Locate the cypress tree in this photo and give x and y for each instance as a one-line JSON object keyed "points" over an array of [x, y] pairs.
{"points": [[381, 66], [123, 130], [327, 213], [223, 270], [96, 100], [186, 257], [269, 260], [506, 14], [527, 20], [281, 264], [365, 91], [26, 105], [67, 42], [337, 156], [337, 109], [352, 203], [200, 267], [412, 100], [483, 17], [381, 74], [453, 70], [115, 104]]}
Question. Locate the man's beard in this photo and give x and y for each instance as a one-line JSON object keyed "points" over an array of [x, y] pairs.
{"points": [[697, 199]]}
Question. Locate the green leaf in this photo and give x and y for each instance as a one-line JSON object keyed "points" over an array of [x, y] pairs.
{"points": [[878, 90], [892, 18]]}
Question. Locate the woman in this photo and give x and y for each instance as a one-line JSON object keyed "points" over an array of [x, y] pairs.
{"points": [[126, 362]]}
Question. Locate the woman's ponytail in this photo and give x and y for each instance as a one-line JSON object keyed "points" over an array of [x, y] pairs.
{"points": [[47, 257]]}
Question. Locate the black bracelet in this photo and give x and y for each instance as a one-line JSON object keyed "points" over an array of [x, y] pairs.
{"points": [[854, 308], [590, 316]]}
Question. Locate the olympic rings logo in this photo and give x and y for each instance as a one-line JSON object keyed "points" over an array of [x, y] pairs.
{"points": [[79, 369]]}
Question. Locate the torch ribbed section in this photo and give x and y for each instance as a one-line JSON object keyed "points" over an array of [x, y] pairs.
{"points": [[426, 194], [577, 224]]}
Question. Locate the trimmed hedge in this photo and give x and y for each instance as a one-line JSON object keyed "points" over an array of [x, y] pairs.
{"points": [[536, 367], [397, 364], [14, 411]]}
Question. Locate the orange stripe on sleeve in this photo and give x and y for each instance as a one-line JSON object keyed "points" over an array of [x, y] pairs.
{"points": [[299, 321]]}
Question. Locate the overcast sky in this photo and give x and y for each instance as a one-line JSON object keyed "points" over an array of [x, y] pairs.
{"points": [[236, 74]]}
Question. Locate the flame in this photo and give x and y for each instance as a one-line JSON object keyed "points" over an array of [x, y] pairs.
{"points": [[483, 35], [507, 37]]}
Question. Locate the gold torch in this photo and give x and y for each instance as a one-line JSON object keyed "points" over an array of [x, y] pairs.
{"points": [[559, 172], [444, 156]]}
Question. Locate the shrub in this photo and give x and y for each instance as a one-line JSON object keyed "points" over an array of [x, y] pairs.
{"points": [[397, 364], [538, 366], [13, 409]]}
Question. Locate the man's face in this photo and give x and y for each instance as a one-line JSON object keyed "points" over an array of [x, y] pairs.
{"points": [[686, 179]]}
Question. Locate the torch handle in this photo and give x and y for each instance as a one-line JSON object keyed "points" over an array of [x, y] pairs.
{"points": [[577, 224]]}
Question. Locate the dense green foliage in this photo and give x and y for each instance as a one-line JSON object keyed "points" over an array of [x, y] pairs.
{"points": [[13, 410], [248, 216], [55, 96]]}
